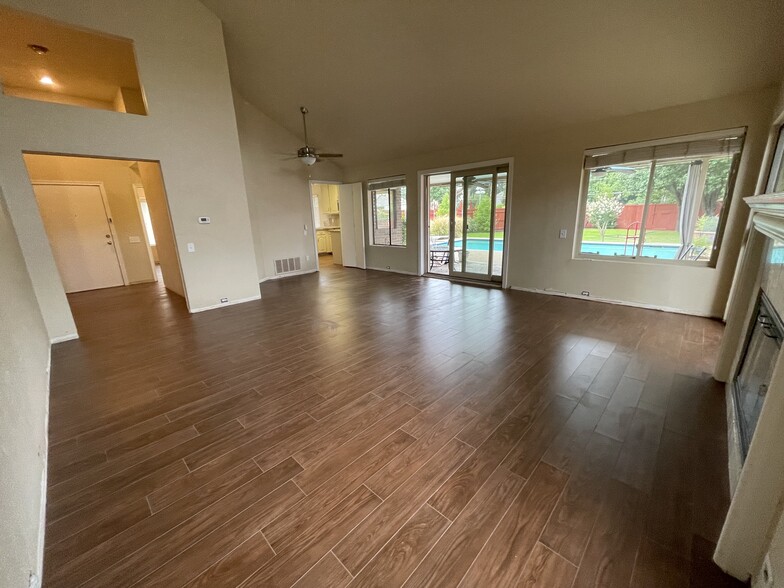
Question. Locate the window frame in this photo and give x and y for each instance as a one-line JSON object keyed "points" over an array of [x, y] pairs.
{"points": [[712, 261], [393, 224]]}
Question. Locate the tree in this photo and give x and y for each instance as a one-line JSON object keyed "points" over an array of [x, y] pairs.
{"points": [[603, 212], [480, 222], [443, 207], [630, 187], [716, 183]]}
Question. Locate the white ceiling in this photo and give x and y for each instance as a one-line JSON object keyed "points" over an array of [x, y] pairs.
{"points": [[388, 78]]}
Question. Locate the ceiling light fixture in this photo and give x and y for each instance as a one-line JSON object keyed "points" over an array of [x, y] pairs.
{"points": [[47, 81], [39, 49], [307, 155]]}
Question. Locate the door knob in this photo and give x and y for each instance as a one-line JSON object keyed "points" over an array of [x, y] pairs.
{"points": [[108, 242]]}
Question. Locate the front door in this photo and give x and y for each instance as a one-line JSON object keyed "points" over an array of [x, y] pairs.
{"points": [[77, 223], [477, 223]]}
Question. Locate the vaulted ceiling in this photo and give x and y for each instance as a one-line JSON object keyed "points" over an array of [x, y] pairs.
{"points": [[388, 78]]}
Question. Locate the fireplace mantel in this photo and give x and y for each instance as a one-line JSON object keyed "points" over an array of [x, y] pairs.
{"points": [[770, 204], [757, 487]]}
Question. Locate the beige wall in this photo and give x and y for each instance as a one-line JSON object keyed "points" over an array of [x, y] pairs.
{"points": [[24, 386], [118, 178], [775, 554], [545, 191], [278, 190], [191, 129]]}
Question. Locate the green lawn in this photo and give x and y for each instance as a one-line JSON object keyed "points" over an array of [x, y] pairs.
{"points": [[619, 235], [498, 235]]}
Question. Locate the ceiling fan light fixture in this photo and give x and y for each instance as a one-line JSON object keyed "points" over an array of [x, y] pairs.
{"points": [[307, 155]]}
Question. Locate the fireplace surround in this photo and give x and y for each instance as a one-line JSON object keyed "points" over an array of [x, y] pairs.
{"points": [[750, 363]]}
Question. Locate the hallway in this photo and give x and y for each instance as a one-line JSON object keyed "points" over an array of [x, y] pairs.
{"points": [[367, 428]]}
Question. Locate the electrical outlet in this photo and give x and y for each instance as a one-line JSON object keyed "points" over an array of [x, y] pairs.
{"points": [[191, 247], [307, 258], [224, 300], [562, 234], [585, 293]]}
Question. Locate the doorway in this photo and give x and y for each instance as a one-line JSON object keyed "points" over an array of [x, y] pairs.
{"points": [[466, 223], [339, 232], [107, 221]]}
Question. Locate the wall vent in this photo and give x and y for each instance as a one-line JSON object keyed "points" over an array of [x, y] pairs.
{"points": [[287, 265]]}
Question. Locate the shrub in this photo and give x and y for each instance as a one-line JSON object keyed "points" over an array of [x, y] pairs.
{"points": [[603, 211], [439, 226], [480, 222], [707, 223]]}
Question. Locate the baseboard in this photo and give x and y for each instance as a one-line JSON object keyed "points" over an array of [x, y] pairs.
{"points": [[288, 275], [39, 571], [225, 304], [63, 338], [613, 301], [394, 271]]}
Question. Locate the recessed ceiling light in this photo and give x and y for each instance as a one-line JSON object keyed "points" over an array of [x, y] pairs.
{"points": [[47, 81], [39, 49]]}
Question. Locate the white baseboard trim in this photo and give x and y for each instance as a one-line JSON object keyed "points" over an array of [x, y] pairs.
{"points": [[394, 271], [613, 301], [288, 275], [225, 304], [62, 338]]}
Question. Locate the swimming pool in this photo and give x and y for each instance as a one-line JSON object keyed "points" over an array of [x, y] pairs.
{"points": [[472, 244], [658, 251]]}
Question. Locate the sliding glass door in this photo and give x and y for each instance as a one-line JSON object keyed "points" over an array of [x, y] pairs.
{"points": [[477, 223]]}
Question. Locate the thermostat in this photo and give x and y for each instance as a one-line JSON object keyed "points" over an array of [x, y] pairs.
{"points": [[204, 220]]}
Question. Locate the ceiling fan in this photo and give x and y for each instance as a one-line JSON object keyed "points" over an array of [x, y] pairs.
{"points": [[307, 154], [600, 172]]}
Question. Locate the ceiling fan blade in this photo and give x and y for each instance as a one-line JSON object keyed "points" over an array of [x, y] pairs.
{"points": [[330, 155]]}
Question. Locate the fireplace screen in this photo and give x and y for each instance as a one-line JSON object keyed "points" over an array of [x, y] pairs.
{"points": [[756, 368]]}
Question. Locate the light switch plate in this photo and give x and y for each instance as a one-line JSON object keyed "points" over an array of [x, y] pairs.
{"points": [[134, 239], [563, 234], [191, 247]]}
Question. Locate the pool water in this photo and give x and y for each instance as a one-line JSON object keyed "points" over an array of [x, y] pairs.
{"points": [[658, 251], [472, 244]]}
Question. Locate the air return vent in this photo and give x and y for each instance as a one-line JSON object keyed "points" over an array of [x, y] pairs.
{"points": [[287, 265]]}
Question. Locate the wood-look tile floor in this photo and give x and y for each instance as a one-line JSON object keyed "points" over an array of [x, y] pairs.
{"points": [[370, 429]]}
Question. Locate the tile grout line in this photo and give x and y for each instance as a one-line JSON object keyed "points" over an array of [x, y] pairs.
{"points": [[341, 563]]}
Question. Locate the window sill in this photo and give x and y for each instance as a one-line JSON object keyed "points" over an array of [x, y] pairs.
{"points": [[644, 260], [388, 246]]}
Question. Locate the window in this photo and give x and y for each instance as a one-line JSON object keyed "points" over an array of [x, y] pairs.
{"points": [[388, 212], [659, 200], [147, 221]]}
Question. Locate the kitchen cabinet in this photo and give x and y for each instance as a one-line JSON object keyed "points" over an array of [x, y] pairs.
{"points": [[324, 241], [328, 200], [334, 202]]}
